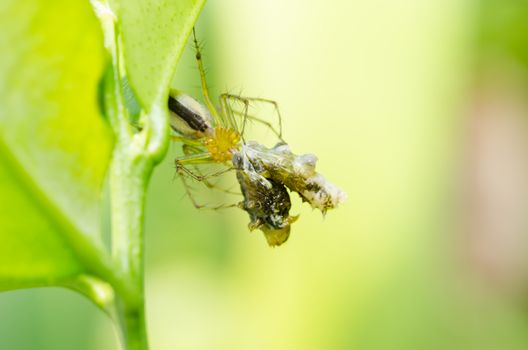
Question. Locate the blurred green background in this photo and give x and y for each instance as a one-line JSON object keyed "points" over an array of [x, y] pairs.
{"points": [[418, 110]]}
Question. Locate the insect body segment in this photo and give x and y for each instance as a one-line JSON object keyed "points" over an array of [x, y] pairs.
{"points": [[296, 172], [266, 201]]}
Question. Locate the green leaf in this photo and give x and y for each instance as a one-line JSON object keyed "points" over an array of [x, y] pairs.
{"points": [[54, 146], [154, 33]]}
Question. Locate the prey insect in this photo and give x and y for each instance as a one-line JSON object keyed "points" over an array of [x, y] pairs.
{"points": [[211, 135]]}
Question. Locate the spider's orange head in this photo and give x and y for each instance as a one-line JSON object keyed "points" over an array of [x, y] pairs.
{"points": [[222, 143]]}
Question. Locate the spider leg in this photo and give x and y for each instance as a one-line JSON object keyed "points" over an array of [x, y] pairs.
{"points": [[226, 98], [186, 140], [247, 101], [183, 171], [205, 90], [187, 150], [203, 206], [263, 122], [228, 112], [189, 193], [275, 106], [197, 158]]}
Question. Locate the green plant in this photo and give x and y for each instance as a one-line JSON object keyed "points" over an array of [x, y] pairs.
{"points": [[56, 148]]}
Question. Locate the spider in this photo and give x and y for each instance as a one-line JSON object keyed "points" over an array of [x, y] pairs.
{"points": [[211, 135]]}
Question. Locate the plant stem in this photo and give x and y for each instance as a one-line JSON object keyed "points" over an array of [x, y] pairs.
{"points": [[132, 326], [128, 182], [134, 156]]}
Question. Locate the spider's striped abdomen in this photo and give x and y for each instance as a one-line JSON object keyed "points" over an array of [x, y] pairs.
{"points": [[187, 116]]}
